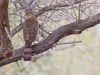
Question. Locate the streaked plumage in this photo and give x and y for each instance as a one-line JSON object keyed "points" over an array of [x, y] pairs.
{"points": [[30, 30]]}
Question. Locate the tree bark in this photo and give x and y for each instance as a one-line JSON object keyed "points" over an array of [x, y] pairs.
{"points": [[5, 46]]}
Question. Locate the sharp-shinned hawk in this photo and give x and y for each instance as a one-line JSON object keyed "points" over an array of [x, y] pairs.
{"points": [[30, 31]]}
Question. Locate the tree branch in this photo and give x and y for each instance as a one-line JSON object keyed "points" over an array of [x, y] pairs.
{"points": [[52, 39], [54, 6], [40, 12]]}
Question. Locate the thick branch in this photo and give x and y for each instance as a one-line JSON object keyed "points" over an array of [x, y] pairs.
{"points": [[43, 10], [52, 39]]}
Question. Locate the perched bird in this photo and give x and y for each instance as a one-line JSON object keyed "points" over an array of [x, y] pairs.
{"points": [[30, 31]]}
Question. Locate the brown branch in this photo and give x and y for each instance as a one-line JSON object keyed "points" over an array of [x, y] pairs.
{"points": [[52, 39], [6, 45], [40, 12]]}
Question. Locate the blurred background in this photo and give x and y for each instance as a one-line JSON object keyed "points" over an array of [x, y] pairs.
{"points": [[82, 58]]}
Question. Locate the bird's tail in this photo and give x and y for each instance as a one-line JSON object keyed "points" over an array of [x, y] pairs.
{"points": [[27, 56]]}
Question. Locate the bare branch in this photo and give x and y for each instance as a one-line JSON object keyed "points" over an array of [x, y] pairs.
{"points": [[52, 39], [68, 43], [16, 30], [53, 6], [43, 10]]}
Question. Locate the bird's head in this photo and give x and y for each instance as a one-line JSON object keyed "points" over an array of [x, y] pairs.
{"points": [[29, 13]]}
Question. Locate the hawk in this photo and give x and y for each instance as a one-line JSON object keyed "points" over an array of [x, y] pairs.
{"points": [[30, 31]]}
